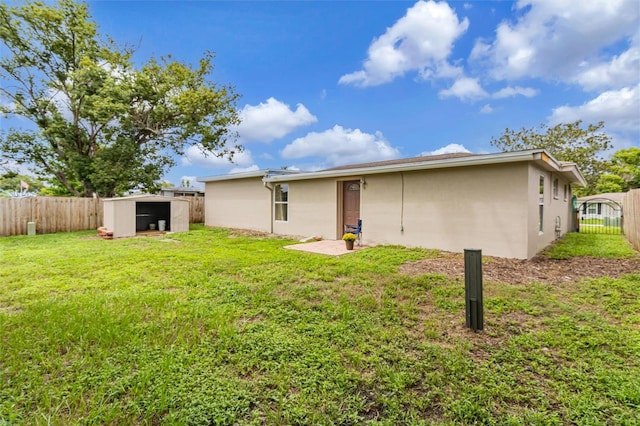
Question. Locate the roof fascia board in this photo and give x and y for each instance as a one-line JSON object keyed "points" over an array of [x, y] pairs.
{"points": [[247, 175], [567, 169], [231, 176], [142, 197], [574, 174]]}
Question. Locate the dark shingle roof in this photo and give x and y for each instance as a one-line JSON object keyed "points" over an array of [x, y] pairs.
{"points": [[421, 159]]}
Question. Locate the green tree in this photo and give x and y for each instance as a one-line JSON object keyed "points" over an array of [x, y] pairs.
{"points": [[610, 183], [566, 142], [623, 173], [101, 125]]}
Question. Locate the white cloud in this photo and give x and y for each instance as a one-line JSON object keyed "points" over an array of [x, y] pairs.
{"points": [[195, 156], [339, 146], [466, 89], [509, 92], [251, 168], [272, 120], [452, 148], [486, 109], [617, 108], [266, 156], [420, 41], [553, 39], [622, 70]]}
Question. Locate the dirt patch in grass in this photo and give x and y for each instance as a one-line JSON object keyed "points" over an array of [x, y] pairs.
{"points": [[10, 309], [515, 271], [237, 232]]}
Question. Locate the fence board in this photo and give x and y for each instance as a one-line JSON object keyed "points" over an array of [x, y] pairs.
{"points": [[631, 205], [64, 214], [196, 209]]}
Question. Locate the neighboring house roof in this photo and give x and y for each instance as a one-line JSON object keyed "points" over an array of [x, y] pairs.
{"points": [[539, 156], [613, 196], [183, 190]]}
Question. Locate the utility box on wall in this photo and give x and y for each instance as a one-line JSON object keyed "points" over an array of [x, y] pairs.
{"points": [[127, 216]]}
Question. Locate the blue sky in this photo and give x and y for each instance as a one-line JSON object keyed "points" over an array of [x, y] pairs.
{"points": [[331, 83]]}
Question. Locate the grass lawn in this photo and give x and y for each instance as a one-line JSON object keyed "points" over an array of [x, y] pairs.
{"points": [[208, 327], [594, 245], [600, 229]]}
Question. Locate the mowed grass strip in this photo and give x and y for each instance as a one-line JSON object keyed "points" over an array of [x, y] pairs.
{"points": [[595, 245], [217, 327]]}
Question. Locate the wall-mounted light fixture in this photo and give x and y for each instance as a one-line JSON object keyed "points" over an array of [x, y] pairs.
{"points": [[363, 183]]}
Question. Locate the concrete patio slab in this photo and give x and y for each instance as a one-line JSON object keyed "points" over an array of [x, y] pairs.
{"points": [[328, 247]]}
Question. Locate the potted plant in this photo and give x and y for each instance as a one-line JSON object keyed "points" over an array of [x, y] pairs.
{"points": [[349, 238]]}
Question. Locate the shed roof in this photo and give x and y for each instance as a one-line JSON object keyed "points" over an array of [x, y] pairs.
{"points": [[146, 197]]}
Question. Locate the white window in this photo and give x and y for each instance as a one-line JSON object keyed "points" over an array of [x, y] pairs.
{"points": [[281, 202], [555, 189], [566, 192], [541, 205]]}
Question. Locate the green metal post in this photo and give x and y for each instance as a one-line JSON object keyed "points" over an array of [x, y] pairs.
{"points": [[473, 289]]}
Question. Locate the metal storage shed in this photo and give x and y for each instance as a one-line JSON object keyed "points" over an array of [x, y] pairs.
{"points": [[128, 215]]}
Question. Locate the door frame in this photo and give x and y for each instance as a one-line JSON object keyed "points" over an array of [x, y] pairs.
{"points": [[340, 204]]}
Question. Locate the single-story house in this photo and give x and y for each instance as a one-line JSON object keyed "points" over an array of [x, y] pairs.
{"points": [[126, 216], [510, 204]]}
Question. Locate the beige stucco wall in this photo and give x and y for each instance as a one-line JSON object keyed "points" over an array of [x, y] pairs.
{"points": [[238, 203], [108, 214], [313, 209], [478, 207], [553, 208], [179, 215], [120, 217]]}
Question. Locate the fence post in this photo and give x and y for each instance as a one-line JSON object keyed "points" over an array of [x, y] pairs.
{"points": [[474, 305]]}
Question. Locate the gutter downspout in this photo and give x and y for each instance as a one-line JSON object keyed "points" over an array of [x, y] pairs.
{"points": [[269, 186], [402, 205]]}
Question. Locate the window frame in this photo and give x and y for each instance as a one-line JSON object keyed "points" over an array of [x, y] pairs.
{"points": [[284, 203]]}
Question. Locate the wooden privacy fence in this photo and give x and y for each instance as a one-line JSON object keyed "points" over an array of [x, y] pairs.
{"points": [[51, 214], [631, 206], [64, 214], [196, 209]]}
